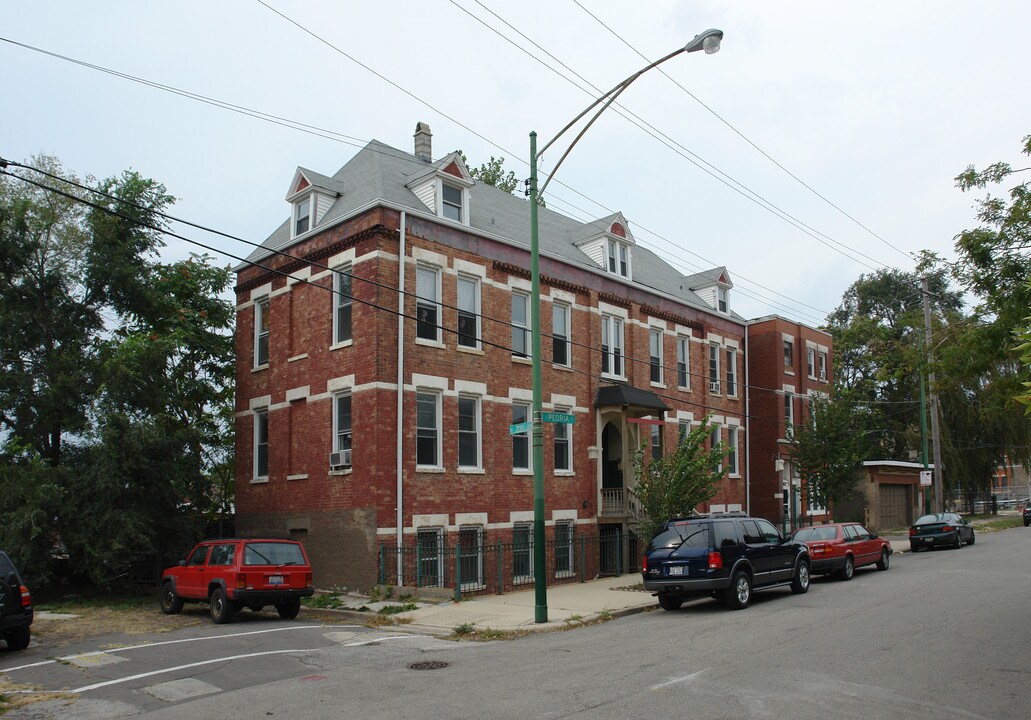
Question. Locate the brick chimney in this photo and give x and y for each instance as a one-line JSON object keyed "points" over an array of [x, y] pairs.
{"points": [[423, 142]]}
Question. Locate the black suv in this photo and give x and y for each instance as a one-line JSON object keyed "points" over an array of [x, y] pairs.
{"points": [[724, 556], [1027, 513], [15, 606]]}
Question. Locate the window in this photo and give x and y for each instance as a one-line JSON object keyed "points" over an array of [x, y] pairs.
{"points": [[522, 553], [520, 325], [427, 432], [810, 356], [619, 258], [655, 354], [731, 372], [823, 366], [222, 554], [261, 443], [715, 436], [721, 300], [560, 334], [563, 444], [683, 358], [342, 304], [261, 331], [451, 202], [612, 345], [769, 532], [302, 215], [714, 368], [683, 429], [655, 440], [342, 425], [468, 431], [789, 416], [427, 291], [468, 312], [563, 548], [520, 441], [732, 444], [429, 552], [750, 533], [470, 555], [198, 556], [789, 353]]}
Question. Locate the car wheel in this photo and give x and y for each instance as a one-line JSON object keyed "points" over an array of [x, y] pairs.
{"points": [[289, 609], [800, 583], [739, 594], [971, 538], [221, 608], [914, 548], [957, 543], [171, 603], [18, 639], [849, 570], [882, 564]]}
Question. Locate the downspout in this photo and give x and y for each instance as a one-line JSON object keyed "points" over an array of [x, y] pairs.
{"points": [[400, 398], [748, 433]]}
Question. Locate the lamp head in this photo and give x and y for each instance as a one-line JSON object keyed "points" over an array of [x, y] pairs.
{"points": [[709, 41]]}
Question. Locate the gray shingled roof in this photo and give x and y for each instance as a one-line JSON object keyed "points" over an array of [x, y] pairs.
{"points": [[379, 172]]}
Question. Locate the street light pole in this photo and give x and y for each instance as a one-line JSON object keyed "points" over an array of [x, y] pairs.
{"points": [[708, 41]]}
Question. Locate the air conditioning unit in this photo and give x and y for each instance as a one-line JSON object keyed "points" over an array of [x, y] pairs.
{"points": [[714, 387], [340, 459]]}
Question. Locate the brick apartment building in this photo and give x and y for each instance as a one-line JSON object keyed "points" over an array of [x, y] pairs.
{"points": [[383, 340], [788, 363]]}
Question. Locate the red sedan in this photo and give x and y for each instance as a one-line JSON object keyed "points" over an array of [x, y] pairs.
{"points": [[842, 547]]}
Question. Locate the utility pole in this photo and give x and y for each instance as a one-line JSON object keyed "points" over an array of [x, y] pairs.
{"points": [[939, 500]]}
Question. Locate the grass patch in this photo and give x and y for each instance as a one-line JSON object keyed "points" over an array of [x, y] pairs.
{"points": [[1003, 523], [395, 609], [323, 602], [14, 696], [466, 631]]}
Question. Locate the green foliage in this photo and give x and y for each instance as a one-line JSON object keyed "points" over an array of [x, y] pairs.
{"points": [[675, 484], [493, 173], [828, 450], [116, 379]]}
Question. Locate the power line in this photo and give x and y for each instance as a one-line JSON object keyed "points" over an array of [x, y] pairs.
{"points": [[726, 122]]}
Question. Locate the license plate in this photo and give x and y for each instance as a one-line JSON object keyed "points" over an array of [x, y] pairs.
{"points": [[928, 539], [677, 570], [275, 580]]}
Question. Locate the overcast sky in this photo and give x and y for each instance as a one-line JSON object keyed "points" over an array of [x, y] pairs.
{"points": [[875, 105]]}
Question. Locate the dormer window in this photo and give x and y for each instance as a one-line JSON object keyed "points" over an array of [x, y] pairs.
{"points": [[722, 300], [451, 202], [619, 258], [302, 215]]}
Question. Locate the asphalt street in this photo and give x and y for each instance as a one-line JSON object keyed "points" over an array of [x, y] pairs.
{"points": [[943, 633]]}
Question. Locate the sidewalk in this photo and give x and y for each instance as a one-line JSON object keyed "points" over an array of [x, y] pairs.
{"points": [[566, 605]]}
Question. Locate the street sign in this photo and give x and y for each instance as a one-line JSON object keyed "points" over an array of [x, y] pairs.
{"points": [[554, 417], [519, 428], [925, 477]]}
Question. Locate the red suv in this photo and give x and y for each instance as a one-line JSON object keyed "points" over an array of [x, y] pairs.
{"points": [[233, 574]]}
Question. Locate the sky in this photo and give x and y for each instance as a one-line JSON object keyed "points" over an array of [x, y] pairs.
{"points": [[819, 144]]}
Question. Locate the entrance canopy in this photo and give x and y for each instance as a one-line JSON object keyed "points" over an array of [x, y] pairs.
{"points": [[627, 396]]}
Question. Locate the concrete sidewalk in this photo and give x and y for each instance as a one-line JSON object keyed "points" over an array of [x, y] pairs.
{"points": [[567, 605]]}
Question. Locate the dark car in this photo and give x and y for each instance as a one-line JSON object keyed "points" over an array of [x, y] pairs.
{"points": [[15, 605], [1027, 514], [840, 548], [723, 556], [938, 530], [231, 574]]}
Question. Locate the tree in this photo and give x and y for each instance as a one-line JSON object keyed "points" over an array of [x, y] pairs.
{"points": [[493, 173], [828, 450], [116, 375], [678, 482]]}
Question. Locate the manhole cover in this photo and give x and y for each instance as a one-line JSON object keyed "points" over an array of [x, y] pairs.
{"points": [[428, 665]]}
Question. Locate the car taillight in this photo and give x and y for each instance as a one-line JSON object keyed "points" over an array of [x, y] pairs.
{"points": [[912, 531], [947, 528], [307, 580], [715, 561], [644, 564], [26, 598]]}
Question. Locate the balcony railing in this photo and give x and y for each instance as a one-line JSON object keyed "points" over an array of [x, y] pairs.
{"points": [[619, 502]]}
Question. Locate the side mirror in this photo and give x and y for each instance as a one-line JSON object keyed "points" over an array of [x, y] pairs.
{"points": [[182, 563], [874, 536]]}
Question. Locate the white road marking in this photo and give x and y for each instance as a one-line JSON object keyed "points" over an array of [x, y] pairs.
{"points": [[676, 681], [71, 658], [374, 641], [107, 683]]}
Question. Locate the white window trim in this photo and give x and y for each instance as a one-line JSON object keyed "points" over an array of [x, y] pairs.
{"points": [[567, 311], [653, 332], [438, 408], [259, 314], [528, 577], [478, 430], [527, 338], [457, 185], [255, 477], [715, 386], [571, 526], [569, 443], [528, 470], [296, 205], [685, 342], [477, 285], [609, 323], [732, 372], [438, 290], [734, 441], [338, 274]]}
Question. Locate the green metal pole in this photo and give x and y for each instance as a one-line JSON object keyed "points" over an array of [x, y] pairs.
{"points": [[540, 572]]}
